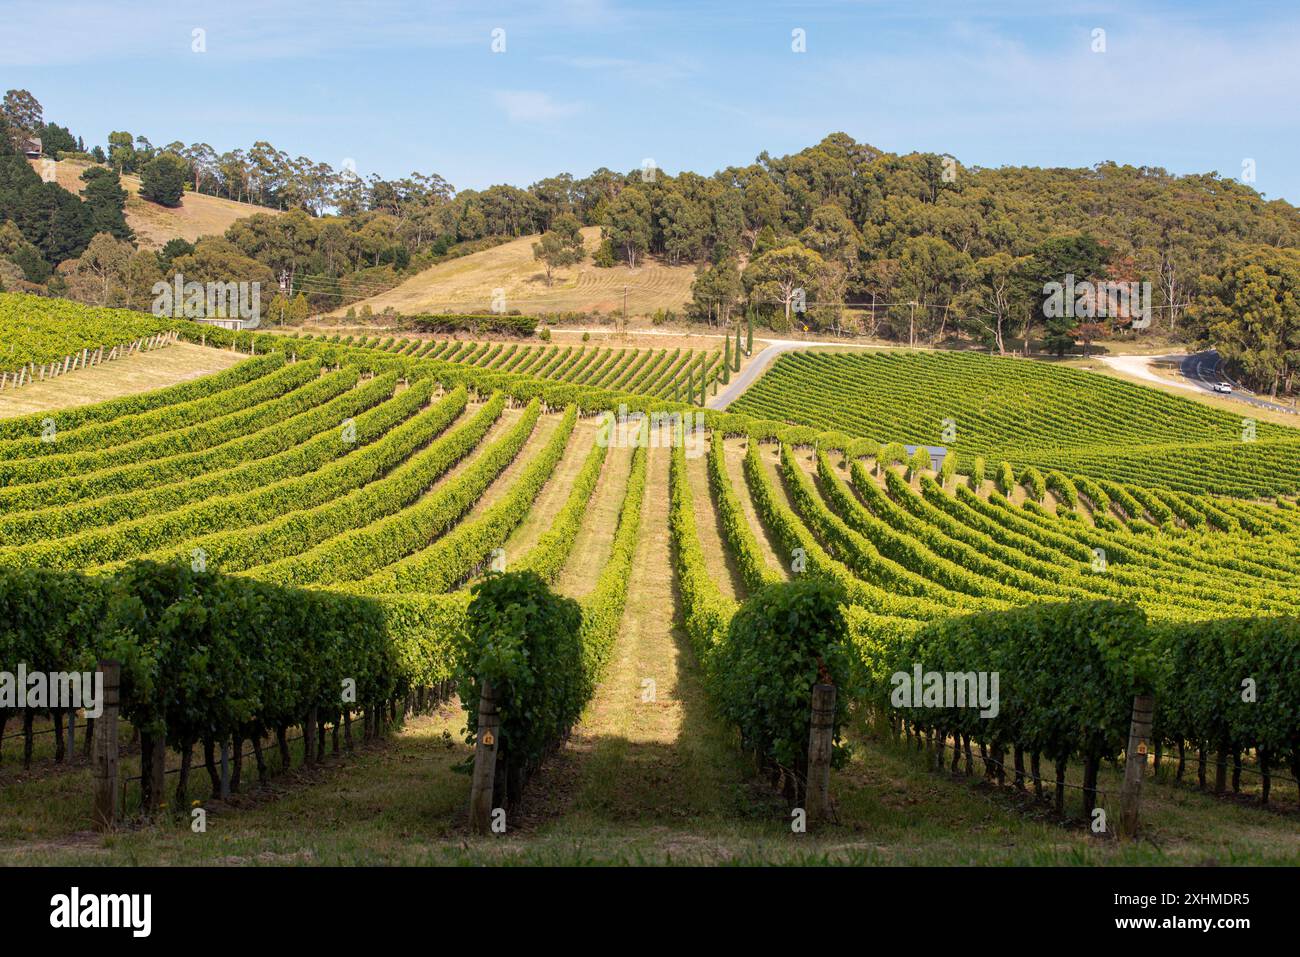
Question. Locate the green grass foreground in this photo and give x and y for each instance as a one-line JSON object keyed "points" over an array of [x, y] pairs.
{"points": [[627, 798]]}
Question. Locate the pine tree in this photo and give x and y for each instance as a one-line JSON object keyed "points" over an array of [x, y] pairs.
{"points": [[106, 200]]}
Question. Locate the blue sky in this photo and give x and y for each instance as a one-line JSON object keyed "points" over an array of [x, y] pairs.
{"points": [[397, 87]]}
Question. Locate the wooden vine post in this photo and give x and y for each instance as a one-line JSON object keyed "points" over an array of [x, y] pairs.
{"points": [[104, 812], [157, 771], [1135, 763], [821, 740], [485, 762]]}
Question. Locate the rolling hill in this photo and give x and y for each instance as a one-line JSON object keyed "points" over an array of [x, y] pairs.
{"points": [[467, 284], [1030, 414], [198, 215]]}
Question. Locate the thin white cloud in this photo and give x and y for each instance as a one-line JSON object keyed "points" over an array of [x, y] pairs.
{"points": [[643, 72], [533, 106]]}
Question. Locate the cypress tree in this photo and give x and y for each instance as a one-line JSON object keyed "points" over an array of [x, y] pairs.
{"points": [[726, 360], [749, 337]]}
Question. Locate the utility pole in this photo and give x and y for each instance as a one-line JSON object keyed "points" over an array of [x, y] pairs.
{"points": [[284, 293]]}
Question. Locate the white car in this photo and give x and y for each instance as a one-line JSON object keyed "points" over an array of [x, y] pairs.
{"points": [[1223, 387]]}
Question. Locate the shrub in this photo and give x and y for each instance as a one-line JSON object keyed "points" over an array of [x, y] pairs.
{"points": [[918, 461], [1067, 674], [706, 612], [524, 639], [1006, 478], [1067, 495], [948, 469], [1201, 699], [782, 641], [605, 256], [1032, 480], [890, 455], [162, 180], [191, 663], [504, 323]]}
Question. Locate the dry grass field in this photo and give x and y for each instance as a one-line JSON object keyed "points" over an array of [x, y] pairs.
{"points": [[198, 215], [467, 284], [142, 372]]}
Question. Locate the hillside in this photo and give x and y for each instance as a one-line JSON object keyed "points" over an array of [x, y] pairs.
{"points": [[1030, 414], [364, 487], [468, 284], [198, 215], [664, 373]]}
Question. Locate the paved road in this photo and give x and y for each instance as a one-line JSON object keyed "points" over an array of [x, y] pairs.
{"points": [[757, 365], [1202, 370], [1139, 367], [749, 373], [1199, 369]]}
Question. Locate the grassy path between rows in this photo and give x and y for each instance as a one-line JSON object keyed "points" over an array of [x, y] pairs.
{"points": [[718, 558], [591, 548], [734, 457], [555, 492], [647, 755]]}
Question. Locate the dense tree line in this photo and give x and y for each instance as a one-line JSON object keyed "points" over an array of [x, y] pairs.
{"points": [[918, 248], [42, 224], [837, 237], [1249, 309]]}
